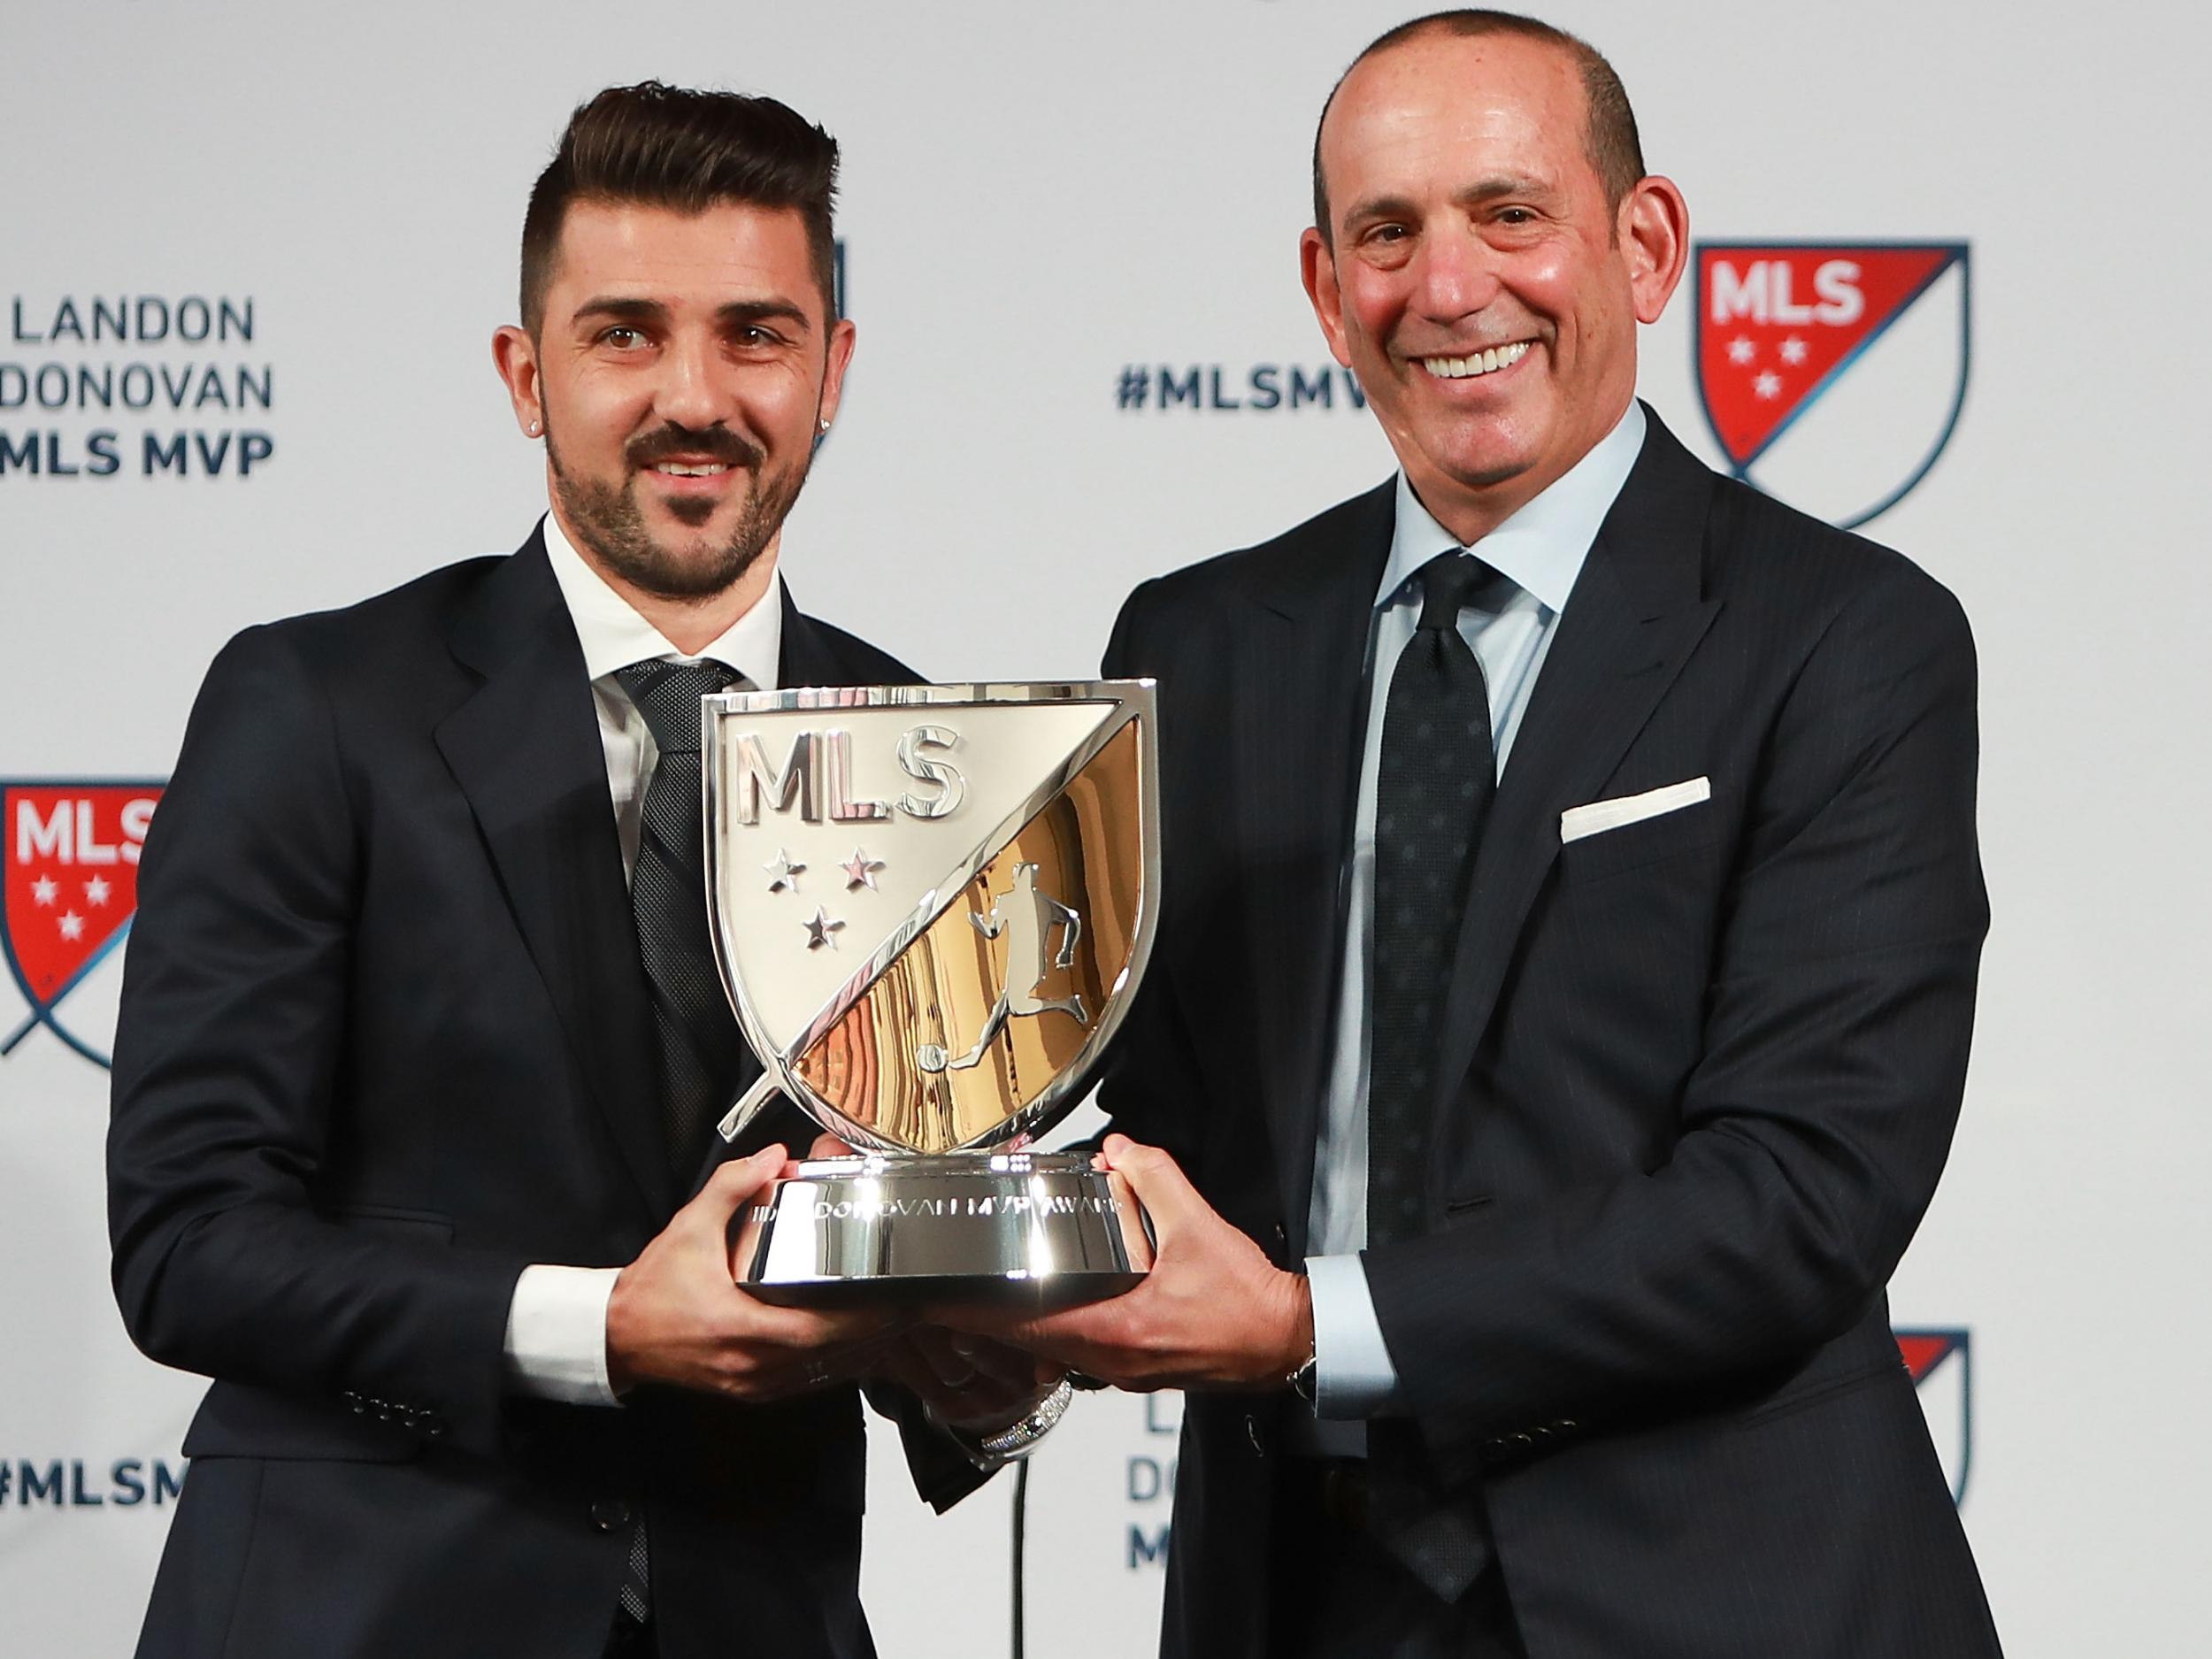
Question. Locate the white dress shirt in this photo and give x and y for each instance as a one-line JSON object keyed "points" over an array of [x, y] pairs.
{"points": [[556, 1325], [1538, 554]]}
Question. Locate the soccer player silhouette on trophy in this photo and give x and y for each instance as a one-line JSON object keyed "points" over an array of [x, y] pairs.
{"points": [[1026, 917]]}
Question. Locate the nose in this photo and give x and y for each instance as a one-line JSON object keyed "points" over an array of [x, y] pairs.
{"points": [[1454, 275], [693, 390]]}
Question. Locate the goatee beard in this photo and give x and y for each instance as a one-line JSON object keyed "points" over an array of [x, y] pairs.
{"points": [[609, 521]]}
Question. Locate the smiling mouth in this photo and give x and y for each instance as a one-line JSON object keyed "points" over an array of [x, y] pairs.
{"points": [[690, 469], [1478, 363]]}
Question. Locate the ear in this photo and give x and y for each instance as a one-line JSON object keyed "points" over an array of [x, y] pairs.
{"points": [[516, 356], [1316, 266], [839, 356], [1653, 232]]}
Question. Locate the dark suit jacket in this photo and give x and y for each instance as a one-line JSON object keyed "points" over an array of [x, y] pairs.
{"points": [[385, 1039], [1696, 1081]]}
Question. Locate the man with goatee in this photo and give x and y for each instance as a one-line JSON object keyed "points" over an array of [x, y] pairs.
{"points": [[422, 1044]]}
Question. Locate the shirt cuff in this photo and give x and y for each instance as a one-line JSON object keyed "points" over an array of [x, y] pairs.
{"points": [[557, 1334], [1353, 1375]]}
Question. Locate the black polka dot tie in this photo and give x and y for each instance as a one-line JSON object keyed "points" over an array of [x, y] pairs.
{"points": [[1438, 771]]}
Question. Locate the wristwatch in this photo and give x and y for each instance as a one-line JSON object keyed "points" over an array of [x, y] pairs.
{"points": [[1017, 1439]]}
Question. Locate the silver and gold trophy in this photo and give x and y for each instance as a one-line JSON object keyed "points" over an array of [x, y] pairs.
{"points": [[931, 905]]}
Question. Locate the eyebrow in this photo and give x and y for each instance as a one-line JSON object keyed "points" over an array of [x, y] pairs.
{"points": [[616, 309], [739, 312], [621, 310]]}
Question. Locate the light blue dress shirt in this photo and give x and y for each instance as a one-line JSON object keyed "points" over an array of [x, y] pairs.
{"points": [[1538, 553]]}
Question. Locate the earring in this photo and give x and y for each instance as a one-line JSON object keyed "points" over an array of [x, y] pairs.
{"points": [[534, 426], [824, 425]]}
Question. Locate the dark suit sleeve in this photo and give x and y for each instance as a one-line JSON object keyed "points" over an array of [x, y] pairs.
{"points": [[228, 1093], [1837, 1013], [942, 1473]]}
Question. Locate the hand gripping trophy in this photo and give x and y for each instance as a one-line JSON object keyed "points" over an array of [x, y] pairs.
{"points": [[931, 905]]}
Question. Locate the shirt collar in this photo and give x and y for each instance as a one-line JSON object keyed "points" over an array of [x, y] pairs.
{"points": [[1542, 547], [614, 635]]}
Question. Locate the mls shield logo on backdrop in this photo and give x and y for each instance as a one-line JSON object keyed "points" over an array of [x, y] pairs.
{"points": [[1832, 373], [70, 892], [1941, 1362]]}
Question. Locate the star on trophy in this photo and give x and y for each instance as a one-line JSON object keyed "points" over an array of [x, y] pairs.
{"points": [[931, 905]]}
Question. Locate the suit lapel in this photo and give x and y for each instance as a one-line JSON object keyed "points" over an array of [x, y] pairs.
{"points": [[1296, 747], [526, 751], [810, 657], [1636, 614]]}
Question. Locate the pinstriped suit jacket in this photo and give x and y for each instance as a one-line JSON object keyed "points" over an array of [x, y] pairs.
{"points": [[1696, 1081]]}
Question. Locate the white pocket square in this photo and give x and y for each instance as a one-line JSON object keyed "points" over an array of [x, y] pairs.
{"points": [[1600, 815]]}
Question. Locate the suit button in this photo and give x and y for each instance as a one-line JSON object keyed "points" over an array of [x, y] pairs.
{"points": [[610, 1515], [1566, 1425]]}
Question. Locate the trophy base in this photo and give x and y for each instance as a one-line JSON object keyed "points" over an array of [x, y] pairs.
{"points": [[1022, 1229]]}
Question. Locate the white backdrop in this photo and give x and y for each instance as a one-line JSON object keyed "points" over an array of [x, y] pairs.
{"points": [[1046, 208]]}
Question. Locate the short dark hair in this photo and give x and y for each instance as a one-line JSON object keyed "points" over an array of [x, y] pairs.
{"points": [[663, 146], [1609, 124]]}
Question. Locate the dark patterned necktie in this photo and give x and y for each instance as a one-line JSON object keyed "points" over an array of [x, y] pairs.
{"points": [[703, 1058], [1438, 774], [1438, 771], [700, 1059]]}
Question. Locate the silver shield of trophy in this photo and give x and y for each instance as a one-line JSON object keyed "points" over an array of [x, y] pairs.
{"points": [[931, 905]]}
